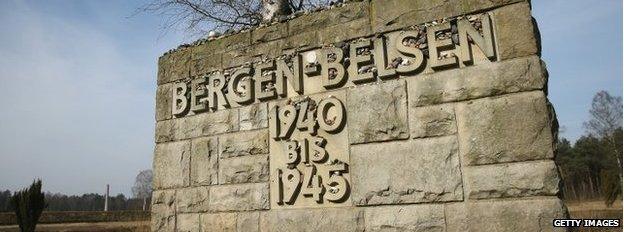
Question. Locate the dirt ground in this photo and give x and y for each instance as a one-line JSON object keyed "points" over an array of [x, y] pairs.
{"points": [[141, 226]]}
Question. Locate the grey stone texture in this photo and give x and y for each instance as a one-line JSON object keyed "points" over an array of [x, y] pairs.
{"points": [[206, 124], [172, 165], [413, 171], [244, 144], [163, 102], [204, 161], [309, 220], [188, 222], [244, 169], [377, 112], [466, 148], [163, 210], [431, 121], [253, 117], [192, 200], [240, 197], [514, 215], [497, 78], [517, 35], [225, 222], [516, 127], [405, 218], [512, 180]]}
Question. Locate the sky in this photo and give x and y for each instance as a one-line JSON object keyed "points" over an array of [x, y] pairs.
{"points": [[78, 78]]}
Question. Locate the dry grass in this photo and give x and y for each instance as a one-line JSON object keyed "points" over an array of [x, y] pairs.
{"points": [[595, 209], [139, 226]]}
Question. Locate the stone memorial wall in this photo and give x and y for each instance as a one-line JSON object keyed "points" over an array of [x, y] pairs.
{"points": [[394, 115]]}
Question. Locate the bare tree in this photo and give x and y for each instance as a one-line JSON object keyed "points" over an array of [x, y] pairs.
{"points": [[606, 121], [201, 16], [142, 188]]}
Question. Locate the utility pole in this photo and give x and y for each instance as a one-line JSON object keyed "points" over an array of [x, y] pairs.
{"points": [[106, 198]]}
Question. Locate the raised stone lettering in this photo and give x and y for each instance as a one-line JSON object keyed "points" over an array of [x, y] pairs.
{"points": [[179, 104]]}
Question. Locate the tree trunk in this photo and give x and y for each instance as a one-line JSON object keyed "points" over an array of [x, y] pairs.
{"points": [[144, 203]]}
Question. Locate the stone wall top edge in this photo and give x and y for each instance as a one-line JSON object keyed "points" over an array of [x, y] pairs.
{"points": [[203, 41]]}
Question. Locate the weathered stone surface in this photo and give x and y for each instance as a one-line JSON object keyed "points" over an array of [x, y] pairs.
{"points": [[231, 42], [522, 74], [188, 222], [304, 220], [253, 117], [174, 66], [163, 102], [422, 170], [241, 197], [244, 143], [304, 40], [163, 210], [512, 180], [244, 169], [171, 164], [204, 161], [323, 19], [377, 112], [429, 121], [515, 33], [405, 218], [341, 32], [516, 127], [192, 200], [204, 60], [205, 124], [224, 222], [391, 15], [248, 221], [516, 215], [269, 33], [254, 54]]}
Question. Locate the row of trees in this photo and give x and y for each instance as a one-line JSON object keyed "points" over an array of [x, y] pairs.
{"points": [[141, 191], [86, 202], [591, 168]]}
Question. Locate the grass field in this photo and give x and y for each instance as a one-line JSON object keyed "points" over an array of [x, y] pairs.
{"points": [[595, 209]]}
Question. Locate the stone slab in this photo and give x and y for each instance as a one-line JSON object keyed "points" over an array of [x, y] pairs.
{"points": [[223, 222], [431, 121], [244, 144], [204, 161], [335, 147], [163, 102], [244, 169], [205, 124], [516, 34], [253, 117], [405, 218], [311, 220], [517, 75], [172, 164], [188, 222], [499, 216], [413, 171], [377, 112], [240, 197], [192, 200], [512, 180], [515, 127]]}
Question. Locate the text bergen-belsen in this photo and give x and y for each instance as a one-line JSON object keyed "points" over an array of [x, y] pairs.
{"points": [[267, 81]]}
